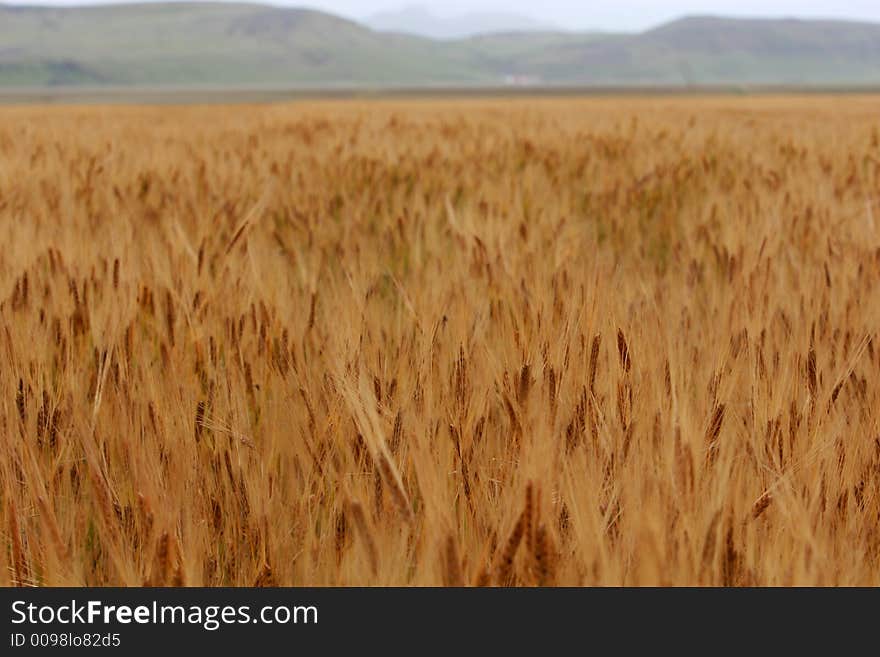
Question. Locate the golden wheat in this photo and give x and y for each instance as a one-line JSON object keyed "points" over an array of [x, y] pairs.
{"points": [[575, 342]]}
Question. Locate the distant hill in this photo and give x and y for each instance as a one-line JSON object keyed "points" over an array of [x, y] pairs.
{"points": [[710, 50], [219, 44], [420, 21], [212, 44]]}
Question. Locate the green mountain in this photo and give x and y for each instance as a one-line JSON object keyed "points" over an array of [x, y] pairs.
{"points": [[708, 50], [247, 45], [211, 44]]}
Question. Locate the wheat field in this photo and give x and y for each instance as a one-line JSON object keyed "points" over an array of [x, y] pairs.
{"points": [[608, 341]]}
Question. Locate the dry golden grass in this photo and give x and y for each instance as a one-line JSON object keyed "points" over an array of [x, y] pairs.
{"points": [[618, 341]]}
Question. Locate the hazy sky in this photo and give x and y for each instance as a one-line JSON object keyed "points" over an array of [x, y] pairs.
{"points": [[592, 14]]}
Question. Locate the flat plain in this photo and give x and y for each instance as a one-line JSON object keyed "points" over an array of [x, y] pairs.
{"points": [[532, 341]]}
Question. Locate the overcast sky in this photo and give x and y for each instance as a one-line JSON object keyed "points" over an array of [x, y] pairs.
{"points": [[592, 14]]}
